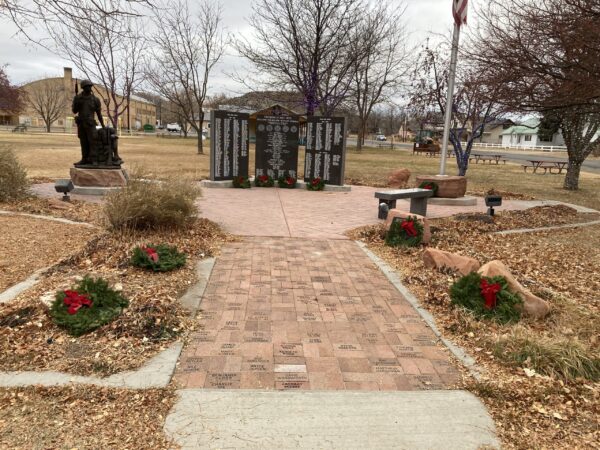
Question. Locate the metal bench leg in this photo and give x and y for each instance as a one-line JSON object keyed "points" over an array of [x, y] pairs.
{"points": [[418, 206]]}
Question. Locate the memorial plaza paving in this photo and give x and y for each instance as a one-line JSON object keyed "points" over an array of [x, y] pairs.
{"points": [[299, 328]]}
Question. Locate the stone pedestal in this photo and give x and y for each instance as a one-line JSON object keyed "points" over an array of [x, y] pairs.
{"points": [[448, 186], [98, 177]]}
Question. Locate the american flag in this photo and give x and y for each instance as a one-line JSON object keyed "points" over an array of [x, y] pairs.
{"points": [[459, 11]]}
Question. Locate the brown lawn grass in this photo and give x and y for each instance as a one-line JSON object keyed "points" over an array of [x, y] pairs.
{"points": [[51, 156]]}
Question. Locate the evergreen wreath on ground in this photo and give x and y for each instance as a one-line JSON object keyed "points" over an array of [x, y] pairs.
{"points": [[487, 297], [264, 181], [160, 258], [286, 182], [91, 304], [407, 232], [431, 185], [241, 182], [315, 184]]}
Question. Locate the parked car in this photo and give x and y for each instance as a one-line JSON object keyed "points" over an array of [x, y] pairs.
{"points": [[174, 127], [380, 137]]}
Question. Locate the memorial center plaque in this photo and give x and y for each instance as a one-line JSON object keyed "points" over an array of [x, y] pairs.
{"points": [[277, 145], [325, 149], [228, 145]]}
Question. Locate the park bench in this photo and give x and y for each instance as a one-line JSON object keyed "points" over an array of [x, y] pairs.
{"points": [[418, 199], [19, 129]]}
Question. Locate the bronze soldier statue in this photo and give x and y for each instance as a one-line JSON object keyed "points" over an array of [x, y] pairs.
{"points": [[86, 105]]}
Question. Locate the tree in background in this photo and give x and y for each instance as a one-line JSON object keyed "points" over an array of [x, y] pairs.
{"points": [[306, 45], [474, 103], [188, 47], [544, 57], [107, 49], [11, 97], [48, 99], [378, 74]]}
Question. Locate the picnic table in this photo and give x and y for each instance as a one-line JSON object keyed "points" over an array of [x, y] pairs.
{"points": [[486, 157], [548, 166]]}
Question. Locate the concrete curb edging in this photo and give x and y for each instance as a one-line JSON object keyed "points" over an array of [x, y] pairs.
{"points": [[191, 299], [555, 227], [53, 219], [16, 289], [156, 373], [391, 275]]}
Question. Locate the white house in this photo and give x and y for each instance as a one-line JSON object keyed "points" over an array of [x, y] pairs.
{"points": [[526, 135]]}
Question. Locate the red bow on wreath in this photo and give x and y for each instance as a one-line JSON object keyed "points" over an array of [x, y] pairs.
{"points": [[263, 178], [315, 181], [74, 300], [489, 292], [409, 228], [290, 180], [428, 186], [151, 252]]}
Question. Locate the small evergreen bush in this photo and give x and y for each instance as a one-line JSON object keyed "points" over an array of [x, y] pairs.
{"points": [[466, 292], [241, 182], [150, 205], [160, 258], [99, 305], [13, 178], [264, 181], [409, 236]]}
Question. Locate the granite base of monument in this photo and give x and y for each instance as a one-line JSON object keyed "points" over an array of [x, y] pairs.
{"points": [[328, 187], [216, 184], [97, 181]]}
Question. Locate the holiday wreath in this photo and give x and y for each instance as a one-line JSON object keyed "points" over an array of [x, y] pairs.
{"points": [[286, 182], [407, 232], [88, 306], [160, 258], [315, 184], [431, 185], [264, 181], [487, 297], [241, 182]]}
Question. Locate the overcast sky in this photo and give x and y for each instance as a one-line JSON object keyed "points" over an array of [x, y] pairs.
{"points": [[27, 61]]}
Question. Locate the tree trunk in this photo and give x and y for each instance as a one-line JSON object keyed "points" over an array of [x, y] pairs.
{"points": [[572, 178], [200, 147], [48, 127], [360, 138]]}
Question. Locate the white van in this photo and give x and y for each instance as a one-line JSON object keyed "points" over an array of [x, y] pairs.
{"points": [[174, 127]]}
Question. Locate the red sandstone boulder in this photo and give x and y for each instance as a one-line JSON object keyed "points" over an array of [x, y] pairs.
{"points": [[448, 187], [533, 306], [438, 259], [403, 215], [399, 178], [98, 177]]}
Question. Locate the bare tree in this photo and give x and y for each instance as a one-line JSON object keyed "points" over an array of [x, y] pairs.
{"points": [[544, 56], [28, 15], [188, 46], [474, 103], [107, 49], [379, 72], [306, 45], [48, 99]]}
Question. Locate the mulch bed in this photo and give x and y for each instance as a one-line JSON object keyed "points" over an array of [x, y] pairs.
{"points": [[530, 410], [84, 417], [75, 210], [29, 244], [29, 340]]}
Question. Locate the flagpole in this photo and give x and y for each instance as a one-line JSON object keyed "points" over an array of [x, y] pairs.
{"points": [[448, 117]]}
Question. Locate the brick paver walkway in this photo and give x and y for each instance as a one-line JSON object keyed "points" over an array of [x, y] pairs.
{"points": [[308, 314]]}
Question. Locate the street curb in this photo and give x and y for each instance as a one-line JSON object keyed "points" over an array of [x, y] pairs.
{"points": [[52, 219], [22, 286], [392, 275], [193, 296]]}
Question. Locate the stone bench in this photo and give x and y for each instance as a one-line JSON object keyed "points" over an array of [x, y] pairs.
{"points": [[418, 199]]}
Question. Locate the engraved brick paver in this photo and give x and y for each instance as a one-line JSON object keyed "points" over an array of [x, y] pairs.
{"points": [[281, 313]]}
